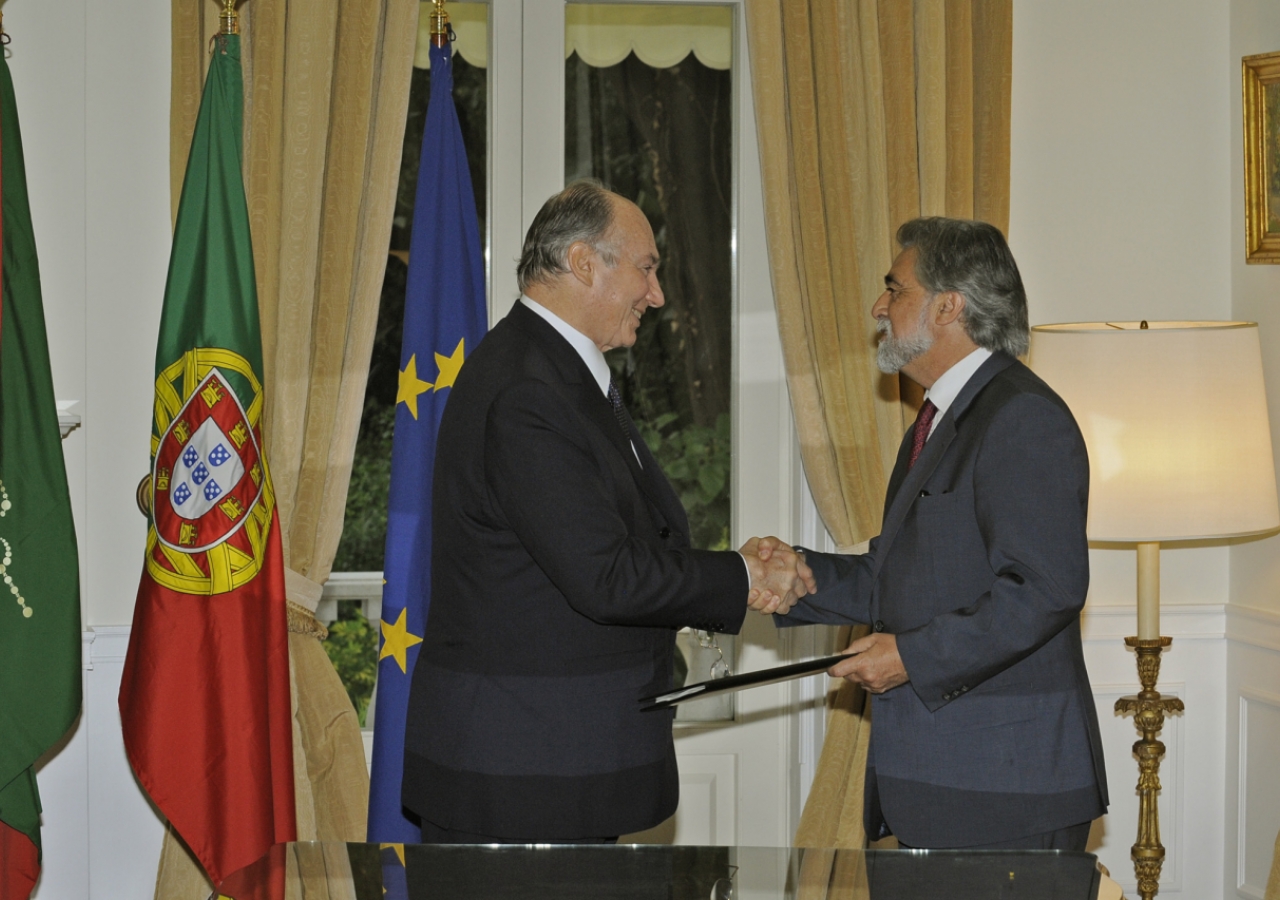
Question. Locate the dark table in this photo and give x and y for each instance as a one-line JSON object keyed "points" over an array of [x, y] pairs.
{"points": [[318, 871]]}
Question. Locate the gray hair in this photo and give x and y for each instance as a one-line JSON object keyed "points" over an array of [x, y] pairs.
{"points": [[581, 212], [973, 259]]}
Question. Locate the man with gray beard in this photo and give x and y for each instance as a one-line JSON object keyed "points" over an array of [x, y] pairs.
{"points": [[985, 734]]}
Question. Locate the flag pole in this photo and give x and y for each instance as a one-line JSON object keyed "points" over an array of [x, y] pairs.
{"points": [[229, 18], [439, 23]]}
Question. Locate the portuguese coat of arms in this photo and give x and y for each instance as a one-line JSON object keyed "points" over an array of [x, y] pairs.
{"points": [[212, 503]]}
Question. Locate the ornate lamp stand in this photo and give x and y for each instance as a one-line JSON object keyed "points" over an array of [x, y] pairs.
{"points": [[1148, 710]]}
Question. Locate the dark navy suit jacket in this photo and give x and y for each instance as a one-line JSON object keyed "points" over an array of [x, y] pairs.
{"points": [[560, 571], [980, 570]]}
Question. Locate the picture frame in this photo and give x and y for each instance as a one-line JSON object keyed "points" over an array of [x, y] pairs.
{"points": [[1261, 109]]}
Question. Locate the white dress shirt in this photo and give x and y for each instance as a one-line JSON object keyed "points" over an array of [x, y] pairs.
{"points": [[585, 347], [951, 382]]}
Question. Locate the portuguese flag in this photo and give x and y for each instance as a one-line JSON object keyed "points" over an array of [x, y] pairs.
{"points": [[40, 587], [205, 693]]}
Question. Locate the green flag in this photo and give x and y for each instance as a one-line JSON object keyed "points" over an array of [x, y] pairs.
{"points": [[40, 592]]}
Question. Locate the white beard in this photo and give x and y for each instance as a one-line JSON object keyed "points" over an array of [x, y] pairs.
{"points": [[895, 352]]}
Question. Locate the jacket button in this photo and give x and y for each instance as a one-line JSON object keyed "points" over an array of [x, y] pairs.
{"points": [[664, 532], [879, 626]]}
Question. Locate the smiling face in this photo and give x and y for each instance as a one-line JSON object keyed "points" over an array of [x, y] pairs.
{"points": [[621, 292]]}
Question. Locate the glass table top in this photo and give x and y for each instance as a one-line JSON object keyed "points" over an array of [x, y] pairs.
{"points": [[335, 871]]}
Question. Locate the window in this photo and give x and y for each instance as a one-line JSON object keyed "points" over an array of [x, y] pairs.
{"points": [[648, 108], [648, 101]]}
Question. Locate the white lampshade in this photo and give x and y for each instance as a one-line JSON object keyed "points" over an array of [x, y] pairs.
{"points": [[1175, 419]]}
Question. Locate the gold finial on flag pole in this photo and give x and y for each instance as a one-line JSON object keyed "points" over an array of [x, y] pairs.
{"points": [[439, 23], [229, 18]]}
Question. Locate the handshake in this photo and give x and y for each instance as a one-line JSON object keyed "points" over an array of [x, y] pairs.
{"points": [[779, 576]]}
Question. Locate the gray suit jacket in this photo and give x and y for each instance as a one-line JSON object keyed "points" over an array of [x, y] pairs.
{"points": [[980, 570]]}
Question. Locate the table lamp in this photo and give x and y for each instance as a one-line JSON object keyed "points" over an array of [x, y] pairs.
{"points": [[1174, 415]]}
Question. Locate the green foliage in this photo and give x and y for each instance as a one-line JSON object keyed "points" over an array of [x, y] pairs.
{"points": [[697, 460], [352, 646], [364, 533]]}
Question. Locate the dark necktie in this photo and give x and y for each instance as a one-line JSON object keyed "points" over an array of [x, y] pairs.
{"points": [[921, 433], [624, 421], [619, 411]]}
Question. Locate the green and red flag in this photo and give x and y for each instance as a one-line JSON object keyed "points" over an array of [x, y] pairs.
{"points": [[40, 591], [204, 698]]}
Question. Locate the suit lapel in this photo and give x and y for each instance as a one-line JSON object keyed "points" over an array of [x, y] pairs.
{"points": [[911, 482], [595, 406]]}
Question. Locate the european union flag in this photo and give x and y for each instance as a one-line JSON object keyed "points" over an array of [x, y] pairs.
{"points": [[445, 316]]}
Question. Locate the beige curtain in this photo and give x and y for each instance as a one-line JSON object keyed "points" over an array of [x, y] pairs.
{"points": [[869, 114], [326, 95], [1273, 882]]}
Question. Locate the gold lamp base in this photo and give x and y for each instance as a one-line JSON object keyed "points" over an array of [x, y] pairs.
{"points": [[1148, 710]]}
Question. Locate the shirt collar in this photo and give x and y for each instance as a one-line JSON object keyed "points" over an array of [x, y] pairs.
{"points": [[585, 347], [951, 382]]}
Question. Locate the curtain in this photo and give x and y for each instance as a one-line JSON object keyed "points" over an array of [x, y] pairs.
{"points": [[326, 96], [869, 114], [1273, 881]]}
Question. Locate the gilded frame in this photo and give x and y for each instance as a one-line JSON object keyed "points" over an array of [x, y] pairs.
{"points": [[1261, 78]]}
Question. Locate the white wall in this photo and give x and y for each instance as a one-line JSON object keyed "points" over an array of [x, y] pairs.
{"points": [[1122, 208], [1120, 201], [92, 85], [1252, 696], [1255, 293]]}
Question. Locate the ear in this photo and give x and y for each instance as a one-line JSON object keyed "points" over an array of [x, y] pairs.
{"points": [[583, 261], [947, 308]]}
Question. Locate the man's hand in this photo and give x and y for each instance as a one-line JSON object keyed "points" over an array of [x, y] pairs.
{"points": [[779, 576], [873, 663]]}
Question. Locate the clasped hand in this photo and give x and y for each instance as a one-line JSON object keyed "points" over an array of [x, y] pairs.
{"points": [[872, 661], [779, 576]]}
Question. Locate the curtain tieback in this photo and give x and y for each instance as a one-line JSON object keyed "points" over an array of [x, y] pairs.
{"points": [[302, 590], [303, 597]]}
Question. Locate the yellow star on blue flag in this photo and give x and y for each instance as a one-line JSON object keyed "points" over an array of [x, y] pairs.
{"points": [[411, 385], [396, 641], [395, 877], [450, 365]]}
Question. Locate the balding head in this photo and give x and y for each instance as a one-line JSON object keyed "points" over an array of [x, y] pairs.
{"points": [[582, 212]]}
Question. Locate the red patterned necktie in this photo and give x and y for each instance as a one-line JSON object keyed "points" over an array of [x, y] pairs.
{"points": [[921, 432]]}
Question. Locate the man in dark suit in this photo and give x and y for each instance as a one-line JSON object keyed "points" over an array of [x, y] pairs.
{"points": [[984, 730], [561, 565]]}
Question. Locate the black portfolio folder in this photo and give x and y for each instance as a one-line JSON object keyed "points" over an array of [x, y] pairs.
{"points": [[739, 682]]}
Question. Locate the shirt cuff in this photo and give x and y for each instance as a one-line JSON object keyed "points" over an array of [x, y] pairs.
{"points": [[746, 566]]}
